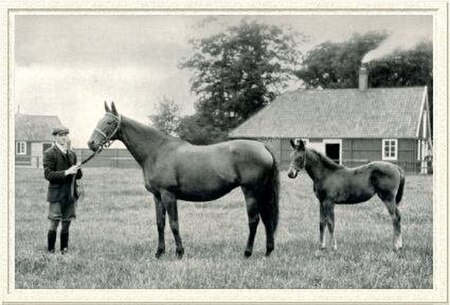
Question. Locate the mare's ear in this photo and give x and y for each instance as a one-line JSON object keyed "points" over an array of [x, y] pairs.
{"points": [[113, 108], [107, 108], [294, 146]]}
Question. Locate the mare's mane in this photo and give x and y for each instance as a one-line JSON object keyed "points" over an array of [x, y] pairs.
{"points": [[326, 161], [151, 129]]}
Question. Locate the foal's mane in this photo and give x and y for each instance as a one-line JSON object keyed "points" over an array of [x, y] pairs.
{"points": [[326, 161]]}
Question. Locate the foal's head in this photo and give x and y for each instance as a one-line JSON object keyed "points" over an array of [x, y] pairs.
{"points": [[106, 130], [298, 158]]}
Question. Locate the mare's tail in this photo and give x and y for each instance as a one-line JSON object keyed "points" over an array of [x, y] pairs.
{"points": [[271, 194], [401, 187]]}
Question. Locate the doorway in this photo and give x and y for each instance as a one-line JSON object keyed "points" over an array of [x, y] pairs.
{"points": [[333, 151]]}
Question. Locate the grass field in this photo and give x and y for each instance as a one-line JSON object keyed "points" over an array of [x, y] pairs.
{"points": [[114, 239]]}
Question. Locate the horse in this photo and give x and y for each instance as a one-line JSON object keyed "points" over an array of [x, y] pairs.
{"points": [[337, 184], [175, 169]]}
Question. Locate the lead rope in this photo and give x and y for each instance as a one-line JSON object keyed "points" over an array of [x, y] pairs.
{"points": [[80, 184], [107, 143]]}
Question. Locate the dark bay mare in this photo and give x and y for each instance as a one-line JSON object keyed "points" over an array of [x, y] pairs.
{"points": [[336, 184], [175, 169]]}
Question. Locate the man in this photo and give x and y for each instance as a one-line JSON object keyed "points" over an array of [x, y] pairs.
{"points": [[61, 169]]}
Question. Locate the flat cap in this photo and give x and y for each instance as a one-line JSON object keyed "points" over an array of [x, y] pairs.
{"points": [[60, 130]]}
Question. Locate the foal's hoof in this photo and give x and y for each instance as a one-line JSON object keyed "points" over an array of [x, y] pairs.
{"points": [[159, 253], [247, 254], [397, 249], [180, 253], [269, 251]]}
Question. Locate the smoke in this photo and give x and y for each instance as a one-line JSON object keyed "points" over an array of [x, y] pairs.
{"points": [[400, 40]]}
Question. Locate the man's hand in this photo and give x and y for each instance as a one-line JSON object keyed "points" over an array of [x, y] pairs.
{"points": [[72, 170]]}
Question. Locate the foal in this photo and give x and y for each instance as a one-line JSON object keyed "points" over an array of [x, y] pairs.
{"points": [[336, 184]]}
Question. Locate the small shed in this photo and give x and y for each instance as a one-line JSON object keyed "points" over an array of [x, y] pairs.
{"points": [[351, 126], [33, 135]]}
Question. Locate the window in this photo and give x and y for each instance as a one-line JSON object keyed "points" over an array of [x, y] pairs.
{"points": [[389, 149], [21, 148]]}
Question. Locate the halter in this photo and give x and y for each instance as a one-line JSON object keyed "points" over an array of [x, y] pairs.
{"points": [[295, 167], [105, 143], [107, 139]]}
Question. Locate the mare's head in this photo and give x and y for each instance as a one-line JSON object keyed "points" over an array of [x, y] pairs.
{"points": [[106, 130], [298, 158]]}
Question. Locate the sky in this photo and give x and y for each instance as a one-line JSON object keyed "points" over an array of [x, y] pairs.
{"points": [[68, 65]]}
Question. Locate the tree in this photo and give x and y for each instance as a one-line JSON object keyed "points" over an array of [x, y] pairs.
{"points": [[167, 116], [238, 72], [406, 68], [194, 129], [336, 64]]}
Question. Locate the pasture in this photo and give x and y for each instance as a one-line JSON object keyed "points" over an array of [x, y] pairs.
{"points": [[114, 238]]}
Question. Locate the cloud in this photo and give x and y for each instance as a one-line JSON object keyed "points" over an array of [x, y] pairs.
{"points": [[76, 94]]}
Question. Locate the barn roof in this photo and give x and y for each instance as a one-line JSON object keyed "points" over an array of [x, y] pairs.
{"points": [[339, 113], [35, 128]]}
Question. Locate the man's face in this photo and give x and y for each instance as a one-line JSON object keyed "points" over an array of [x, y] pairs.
{"points": [[62, 139]]}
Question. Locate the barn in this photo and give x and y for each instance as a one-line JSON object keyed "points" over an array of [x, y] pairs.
{"points": [[33, 135], [351, 126]]}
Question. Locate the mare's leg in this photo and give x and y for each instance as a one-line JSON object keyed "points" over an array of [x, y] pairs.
{"points": [[268, 224], [329, 212], [170, 203], [253, 219], [161, 223], [322, 225], [396, 218]]}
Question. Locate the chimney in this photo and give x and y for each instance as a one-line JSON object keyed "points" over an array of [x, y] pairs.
{"points": [[363, 79]]}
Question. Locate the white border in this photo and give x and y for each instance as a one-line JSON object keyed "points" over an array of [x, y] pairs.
{"points": [[439, 292]]}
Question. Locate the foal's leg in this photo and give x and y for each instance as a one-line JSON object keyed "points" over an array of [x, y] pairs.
{"points": [[161, 223], [170, 203], [329, 212], [396, 218], [253, 219], [322, 225]]}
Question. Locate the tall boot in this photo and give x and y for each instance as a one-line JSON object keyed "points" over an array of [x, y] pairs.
{"points": [[64, 239], [51, 239]]}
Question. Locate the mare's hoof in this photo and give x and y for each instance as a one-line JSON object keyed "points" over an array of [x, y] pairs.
{"points": [[159, 253], [180, 253], [247, 254]]}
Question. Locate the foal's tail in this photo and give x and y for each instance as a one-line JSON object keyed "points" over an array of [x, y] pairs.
{"points": [[401, 187], [272, 192]]}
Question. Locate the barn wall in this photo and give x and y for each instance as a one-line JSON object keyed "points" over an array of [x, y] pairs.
{"points": [[359, 151], [356, 152], [407, 155], [37, 154]]}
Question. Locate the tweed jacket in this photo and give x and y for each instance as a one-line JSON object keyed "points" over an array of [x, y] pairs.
{"points": [[55, 163]]}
